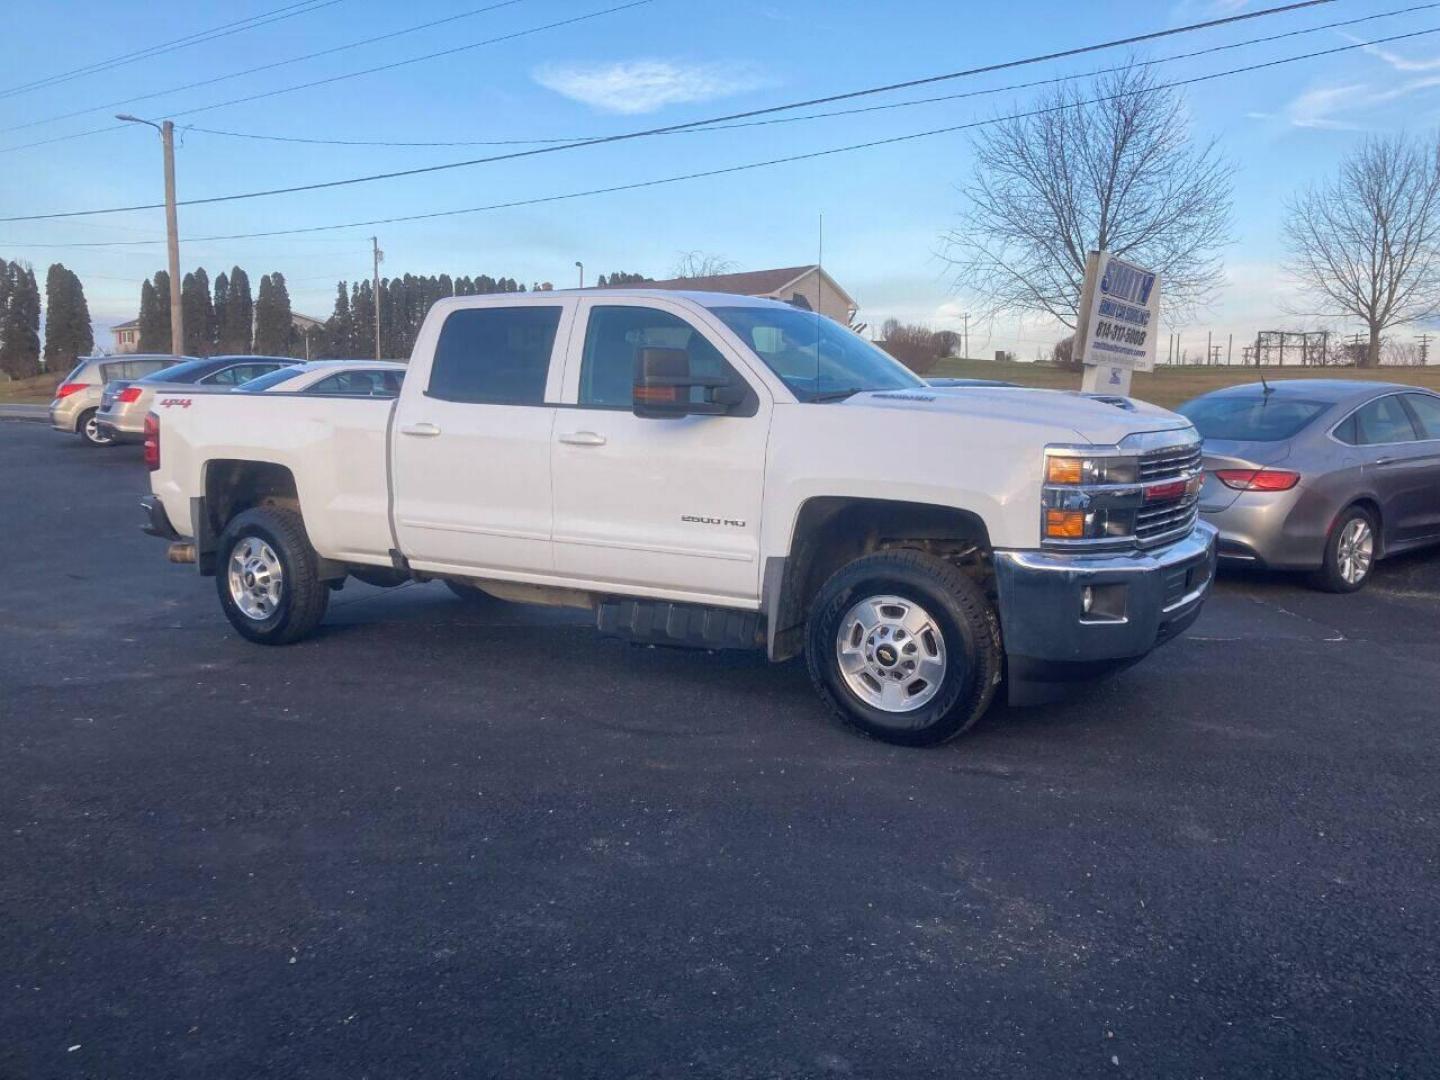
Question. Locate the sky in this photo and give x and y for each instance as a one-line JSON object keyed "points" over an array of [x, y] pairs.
{"points": [[608, 71]]}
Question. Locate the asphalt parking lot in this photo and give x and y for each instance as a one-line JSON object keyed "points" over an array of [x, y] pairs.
{"points": [[440, 840]]}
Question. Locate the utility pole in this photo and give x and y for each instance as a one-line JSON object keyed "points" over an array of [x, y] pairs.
{"points": [[1424, 349], [172, 228], [1230, 350], [965, 337], [377, 256]]}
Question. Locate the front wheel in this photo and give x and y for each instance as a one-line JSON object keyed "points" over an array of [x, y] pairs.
{"points": [[90, 430], [267, 576], [905, 647], [1349, 552]]}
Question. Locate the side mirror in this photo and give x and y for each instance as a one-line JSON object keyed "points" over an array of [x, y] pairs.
{"points": [[663, 382]]}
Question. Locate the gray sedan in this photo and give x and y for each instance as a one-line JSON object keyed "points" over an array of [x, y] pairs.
{"points": [[1322, 475]]}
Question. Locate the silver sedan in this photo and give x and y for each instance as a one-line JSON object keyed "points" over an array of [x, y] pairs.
{"points": [[1321, 475]]}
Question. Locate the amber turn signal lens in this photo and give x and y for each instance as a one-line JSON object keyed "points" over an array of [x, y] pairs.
{"points": [[1063, 470], [1065, 524]]}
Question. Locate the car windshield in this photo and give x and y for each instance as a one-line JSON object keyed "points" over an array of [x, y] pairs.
{"points": [[1258, 418], [271, 378], [816, 357]]}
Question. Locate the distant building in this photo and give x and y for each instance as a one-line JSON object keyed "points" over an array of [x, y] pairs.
{"points": [[809, 287], [127, 334]]}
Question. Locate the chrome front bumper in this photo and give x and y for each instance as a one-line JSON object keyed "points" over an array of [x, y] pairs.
{"points": [[1138, 600]]}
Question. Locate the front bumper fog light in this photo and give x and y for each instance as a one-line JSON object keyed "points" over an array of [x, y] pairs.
{"points": [[1087, 599]]}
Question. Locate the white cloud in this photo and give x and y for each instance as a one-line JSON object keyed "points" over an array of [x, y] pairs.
{"points": [[640, 86], [1344, 108]]}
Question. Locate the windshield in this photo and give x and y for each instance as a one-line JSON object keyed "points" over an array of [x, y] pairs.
{"points": [[816, 356], [272, 378], [1262, 418]]}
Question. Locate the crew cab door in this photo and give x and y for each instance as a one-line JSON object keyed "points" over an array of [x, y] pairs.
{"points": [[470, 445], [670, 505]]}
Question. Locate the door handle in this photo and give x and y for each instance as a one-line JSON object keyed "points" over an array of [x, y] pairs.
{"points": [[423, 429], [583, 438], [1384, 460]]}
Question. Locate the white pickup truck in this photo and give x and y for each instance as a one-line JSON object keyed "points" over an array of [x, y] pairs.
{"points": [[714, 471]]}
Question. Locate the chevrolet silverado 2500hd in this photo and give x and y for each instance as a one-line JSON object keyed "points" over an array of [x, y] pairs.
{"points": [[708, 470]]}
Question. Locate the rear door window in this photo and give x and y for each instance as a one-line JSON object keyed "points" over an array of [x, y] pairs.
{"points": [[1426, 408], [1384, 420], [495, 355], [238, 373]]}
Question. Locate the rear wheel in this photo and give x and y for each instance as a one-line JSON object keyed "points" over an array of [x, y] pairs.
{"points": [[1349, 552], [905, 647], [267, 576], [89, 429]]}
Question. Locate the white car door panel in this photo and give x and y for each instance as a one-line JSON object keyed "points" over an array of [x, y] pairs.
{"points": [[471, 454], [665, 503]]}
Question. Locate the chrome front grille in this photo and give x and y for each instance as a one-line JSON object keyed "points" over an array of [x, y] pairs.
{"points": [[1164, 521], [1172, 463]]}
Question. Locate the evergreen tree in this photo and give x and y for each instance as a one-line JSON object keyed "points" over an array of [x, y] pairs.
{"points": [[199, 313], [622, 278], [155, 314], [237, 321], [67, 319], [273, 324], [339, 340], [362, 312], [20, 323], [222, 301]]}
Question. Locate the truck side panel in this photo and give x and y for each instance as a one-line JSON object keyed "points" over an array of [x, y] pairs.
{"points": [[335, 449]]}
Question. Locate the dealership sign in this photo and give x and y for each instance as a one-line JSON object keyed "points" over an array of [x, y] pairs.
{"points": [[1122, 319]]}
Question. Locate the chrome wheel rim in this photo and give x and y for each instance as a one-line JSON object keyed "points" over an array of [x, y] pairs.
{"points": [[1355, 551], [891, 653], [92, 431], [257, 580]]}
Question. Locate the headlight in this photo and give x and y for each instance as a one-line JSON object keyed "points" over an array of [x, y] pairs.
{"points": [[1075, 470]]}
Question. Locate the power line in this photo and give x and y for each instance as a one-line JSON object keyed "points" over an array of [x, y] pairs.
{"points": [[788, 159], [601, 140], [265, 18], [839, 112], [265, 67], [364, 71]]}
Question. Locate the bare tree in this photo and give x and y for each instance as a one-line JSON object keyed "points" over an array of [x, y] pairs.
{"points": [[693, 264], [1109, 166], [1367, 242]]}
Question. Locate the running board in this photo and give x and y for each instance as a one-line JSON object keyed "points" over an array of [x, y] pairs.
{"points": [[693, 626]]}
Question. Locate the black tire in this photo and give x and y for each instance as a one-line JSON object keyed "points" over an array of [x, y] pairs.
{"points": [[1330, 576], [471, 594], [968, 626], [302, 595], [83, 428]]}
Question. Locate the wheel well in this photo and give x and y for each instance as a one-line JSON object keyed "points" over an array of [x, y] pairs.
{"points": [[833, 531], [232, 487], [1372, 507]]}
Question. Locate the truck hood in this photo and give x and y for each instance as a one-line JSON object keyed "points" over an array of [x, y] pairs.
{"points": [[1061, 411]]}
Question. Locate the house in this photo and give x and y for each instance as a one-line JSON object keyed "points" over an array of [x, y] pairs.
{"points": [[809, 287], [127, 336]]}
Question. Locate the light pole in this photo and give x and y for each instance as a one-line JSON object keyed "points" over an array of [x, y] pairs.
{"points": [[379, 257], [172, 228], [581, 267]]}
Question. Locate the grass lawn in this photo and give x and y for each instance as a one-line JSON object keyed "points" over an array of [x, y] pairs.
{"points": [[36, 391], [1171, 385]]}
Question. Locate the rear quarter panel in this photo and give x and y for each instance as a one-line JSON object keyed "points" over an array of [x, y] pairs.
{"points": [[334, 447]]}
